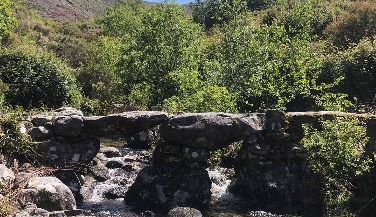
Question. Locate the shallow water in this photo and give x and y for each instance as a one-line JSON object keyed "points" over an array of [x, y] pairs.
{"points": [[223, 203]]}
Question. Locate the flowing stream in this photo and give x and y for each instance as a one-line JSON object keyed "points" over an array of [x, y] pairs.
{"points": [[97, 193]]}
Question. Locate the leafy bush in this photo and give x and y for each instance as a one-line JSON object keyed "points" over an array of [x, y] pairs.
{"points": [[37, 80], [357, 67], [6, 19], [337, 155], [13, 139], [356, 23]]}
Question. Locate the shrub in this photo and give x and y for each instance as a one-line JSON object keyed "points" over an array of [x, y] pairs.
{"points": [[37, 80], [356, 23], [337, 155], [13, 139]]}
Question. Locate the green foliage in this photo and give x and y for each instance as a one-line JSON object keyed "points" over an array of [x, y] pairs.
{"points": [[357, 67], [36, 80], [334, 102], [356, 23], [13, 141], [194, 95], [168, 42], [97, 76], [337, 154], [265, 66], [211, 12], [7, 21], [123, 19]]}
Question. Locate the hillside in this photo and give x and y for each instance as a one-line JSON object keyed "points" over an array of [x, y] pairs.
{"points": [[62, 10]]}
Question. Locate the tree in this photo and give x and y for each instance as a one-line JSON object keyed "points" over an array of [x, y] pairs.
{"points": [[36, 80], [168, 42], [265, 66]]}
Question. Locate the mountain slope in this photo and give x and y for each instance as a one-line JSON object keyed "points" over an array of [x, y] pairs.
{"points": [[63, 10]]}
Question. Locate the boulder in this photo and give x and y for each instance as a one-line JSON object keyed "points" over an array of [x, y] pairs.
{"points": [[68, 111], [6, 175], [110, 152], [211, 131], [67, 152], [116, 192], [143, 140], [117, 163], [48, 193], [41, 133], [68, 126], [274, 174], [41, 120], [29, 212], [184, 212], [124, 124], [99, 171], [180, 155], [161, 188]]}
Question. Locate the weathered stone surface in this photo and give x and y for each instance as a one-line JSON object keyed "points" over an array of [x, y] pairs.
{"points": [[48, 193], [41, 120], [274, 174], [110, 152], [144, 139], [99, 171], [41, 133], [162, 188], [64, 152], [115, 163], [116, 192], [73, 179], [124, 124], [211, 131], [29, 212], [184, 212], [6, 175], [180, 155], [68, 126], [68, 111]]}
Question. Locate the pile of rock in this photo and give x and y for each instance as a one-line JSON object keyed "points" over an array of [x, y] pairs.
{"points": [[178, 176], [67, 138], [272, 170]]}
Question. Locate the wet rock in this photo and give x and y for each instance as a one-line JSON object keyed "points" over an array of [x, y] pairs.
{"points": [[114, 164], [124, 124], [73, 179], [6, 175], [67, 152], [180, 155], [99, 172], [211, 131], [116, 192], [147, 213], [184, 212], [110, 152], [41, 133], [161, 188], [101, 157], [68, 126], [32, 212], [48, 193]]}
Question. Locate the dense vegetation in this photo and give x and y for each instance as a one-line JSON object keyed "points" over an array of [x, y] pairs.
{"points": [[231, 56], [228, 55]]}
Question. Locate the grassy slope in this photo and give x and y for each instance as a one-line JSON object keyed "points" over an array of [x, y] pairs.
{"points": [[63, 10]]}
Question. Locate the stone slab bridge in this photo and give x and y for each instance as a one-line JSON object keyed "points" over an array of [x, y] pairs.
{"points": [[271, 167]]}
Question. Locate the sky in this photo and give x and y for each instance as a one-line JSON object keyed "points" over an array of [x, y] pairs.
{"points": [[178, 1]]}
